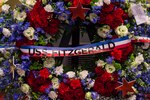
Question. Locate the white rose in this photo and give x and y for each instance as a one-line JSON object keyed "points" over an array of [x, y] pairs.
{"points": [[110, 68], [71, 74], [122, 30], [30, 2], [99, 3], [20, 16], [21, 72], [52, 95], [83, 74], [5, 8], [100, 63], [103, 31], [55, 83], [139, 59], [49, 62], [6, 32], [133, 97], [49, 8], [107, 2], [88, 96], [29, 33], [59, 70], [1, 72], [25, 88]]}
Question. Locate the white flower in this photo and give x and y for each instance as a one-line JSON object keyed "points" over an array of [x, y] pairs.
{"points": [[6, 32], [29, 33], [25, 88], [122, 30], [5, 1], [88, 96], [55, 83], [59, 70], [52, 95], [148, 20], [139, 59], [20, 16], [99, 3], [145, 46], [90, 83], [5, 8], [110, 68], [49, 62], [92, 17], [30, 2], [71, 74], [83, 74], [133, 97], [21, 72], [107, 2], [103, 31], [49, 8], [1, 72], [100, 63]]}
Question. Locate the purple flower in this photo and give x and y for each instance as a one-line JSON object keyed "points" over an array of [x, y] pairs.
{"points": [[109, 60]]}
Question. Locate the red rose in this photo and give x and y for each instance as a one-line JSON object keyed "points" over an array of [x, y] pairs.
{"points": [[38, 17], [99, 71], [106, 77], [44, 73], [43, 88], [63, 88], [98, 86], [117, 54], [24, 42], [106, 87], [117, 21], [127, 51], [75, 83], [118, 12], [68, 95], [79, 94], [53, 26], [109, 19], [108, 8], [37, 83]]}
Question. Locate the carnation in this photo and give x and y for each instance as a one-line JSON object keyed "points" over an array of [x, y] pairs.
{"points": [[107, 2], [30, 2]]}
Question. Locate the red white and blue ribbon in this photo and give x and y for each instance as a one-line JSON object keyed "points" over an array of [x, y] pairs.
{"points": [[95, 48]]}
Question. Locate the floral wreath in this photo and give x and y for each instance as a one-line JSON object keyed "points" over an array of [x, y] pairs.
{"points": [[24, 77]]}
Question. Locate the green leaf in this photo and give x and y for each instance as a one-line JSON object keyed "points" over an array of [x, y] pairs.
{"points": [[117, 65]]}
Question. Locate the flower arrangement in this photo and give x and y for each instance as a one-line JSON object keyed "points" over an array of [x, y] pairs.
{"points": [[42, 23]]}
